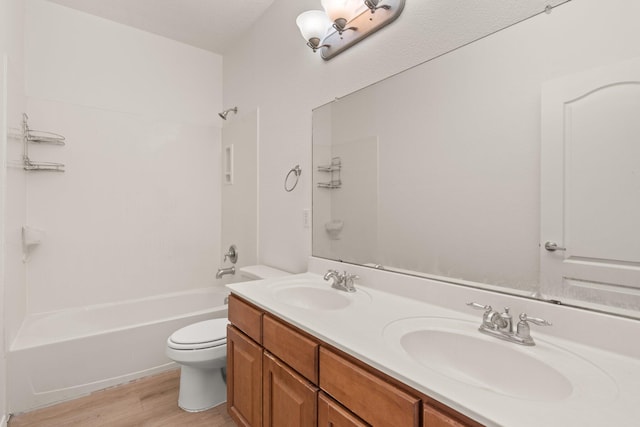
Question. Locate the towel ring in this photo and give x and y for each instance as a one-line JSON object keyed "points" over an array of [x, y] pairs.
{"points": [[297, 172]]}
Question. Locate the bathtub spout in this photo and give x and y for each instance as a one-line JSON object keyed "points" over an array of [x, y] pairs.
{"points": [[224, 271]]}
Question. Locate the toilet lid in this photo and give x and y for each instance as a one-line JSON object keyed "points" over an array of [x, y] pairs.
{"points": [[209, 333]]}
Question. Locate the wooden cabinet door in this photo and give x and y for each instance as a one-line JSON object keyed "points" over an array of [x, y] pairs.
{"points": [[332, 414], [244, 379], [289, 399]]}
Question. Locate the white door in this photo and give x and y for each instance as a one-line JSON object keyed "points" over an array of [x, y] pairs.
{"points": [[591, 187]]}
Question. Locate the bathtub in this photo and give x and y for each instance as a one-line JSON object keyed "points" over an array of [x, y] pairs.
{"points": [[65, 354]]}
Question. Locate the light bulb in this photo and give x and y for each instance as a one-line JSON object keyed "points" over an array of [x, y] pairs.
{"points": [[313, 25], [339, 9]]}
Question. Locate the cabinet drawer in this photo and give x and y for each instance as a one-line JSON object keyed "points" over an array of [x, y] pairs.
{"points": [[295, 349], [371, 398], [445, 417], [246, 317], [332, 414]]}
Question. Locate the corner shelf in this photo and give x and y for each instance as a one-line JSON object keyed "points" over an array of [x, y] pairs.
{"points": [[334, 170], [30, 136]]}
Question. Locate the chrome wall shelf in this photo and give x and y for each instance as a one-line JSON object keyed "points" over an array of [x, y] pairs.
{"points": [[334, 170], [31, 136]]}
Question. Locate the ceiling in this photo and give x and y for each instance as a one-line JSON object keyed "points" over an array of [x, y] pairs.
{"points": [[208, 24]]}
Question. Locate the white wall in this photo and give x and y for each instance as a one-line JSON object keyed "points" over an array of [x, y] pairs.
{"points": [[137, 212], [11, 107], [3, 144], [292, 81], [15, 208]]}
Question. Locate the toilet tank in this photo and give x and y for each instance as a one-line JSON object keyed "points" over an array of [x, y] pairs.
{"points": [[257, 272]]}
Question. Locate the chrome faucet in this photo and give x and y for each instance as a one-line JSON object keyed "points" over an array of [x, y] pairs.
{"points": [[500, 325], [343, 282], [224, 271]]}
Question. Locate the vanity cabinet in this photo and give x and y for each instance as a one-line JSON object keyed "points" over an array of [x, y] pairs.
{"points": [[432, 417], [333, 414], [288, 398], [244, 379], [278, 375], [246, 318], [367, 395], [292, 347]]}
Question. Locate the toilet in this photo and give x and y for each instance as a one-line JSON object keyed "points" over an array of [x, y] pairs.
{"points": [[201, 351]]}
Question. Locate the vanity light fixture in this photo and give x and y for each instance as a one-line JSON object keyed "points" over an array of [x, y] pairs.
{"points": [[373, 5], [340, 12], [313, 25], [345, 22]]}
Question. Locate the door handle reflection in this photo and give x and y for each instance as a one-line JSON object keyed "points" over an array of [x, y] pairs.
{"points": [[553, 246]]}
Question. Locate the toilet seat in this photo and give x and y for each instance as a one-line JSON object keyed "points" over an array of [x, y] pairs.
{"points": [[201, 335]]}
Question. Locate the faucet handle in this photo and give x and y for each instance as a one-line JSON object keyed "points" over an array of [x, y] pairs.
{"points": [[331, 273], [534, 320], [350, 278], [480, 306], [232, 254], [523, 332]]}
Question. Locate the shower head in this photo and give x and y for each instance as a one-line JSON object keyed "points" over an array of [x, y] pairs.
{"points": [[223, 115]]}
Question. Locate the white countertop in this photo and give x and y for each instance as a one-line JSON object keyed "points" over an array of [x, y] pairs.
{"points": [[606, 394]]}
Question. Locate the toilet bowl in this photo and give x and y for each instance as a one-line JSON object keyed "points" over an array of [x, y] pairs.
{"points": [[201, 350]]}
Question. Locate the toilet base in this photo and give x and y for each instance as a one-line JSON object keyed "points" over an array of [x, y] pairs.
{"points": [[201, 389]]}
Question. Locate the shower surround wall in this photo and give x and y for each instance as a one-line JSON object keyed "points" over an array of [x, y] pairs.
{"points": [[12, 183], [3, 143], [136, 213]]}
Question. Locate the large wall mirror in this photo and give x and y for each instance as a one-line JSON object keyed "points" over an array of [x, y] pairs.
{"points": [[440, 170]]}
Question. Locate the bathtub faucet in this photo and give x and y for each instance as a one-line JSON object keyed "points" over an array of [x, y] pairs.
{"points": [[224, 271]]}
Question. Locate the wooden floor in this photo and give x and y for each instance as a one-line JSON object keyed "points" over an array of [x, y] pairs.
{"points": [[148, 402]]}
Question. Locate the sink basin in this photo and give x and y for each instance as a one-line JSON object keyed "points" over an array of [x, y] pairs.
{"points": [[317, 296], [457, 350]]}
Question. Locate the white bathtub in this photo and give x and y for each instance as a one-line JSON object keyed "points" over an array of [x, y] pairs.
{"points": [[66, 354]]}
